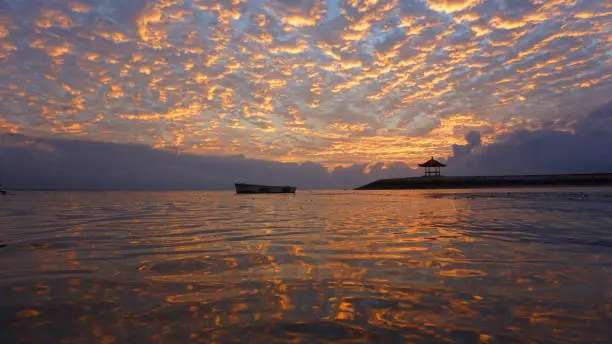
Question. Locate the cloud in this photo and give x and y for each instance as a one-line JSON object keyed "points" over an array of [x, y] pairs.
{"points": [[451, 6], [473, 139], [336, 83], [76, 164], [582, 148], [550, 147]]}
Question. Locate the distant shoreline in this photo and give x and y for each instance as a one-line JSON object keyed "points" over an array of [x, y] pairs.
{"points": [[510, 181], [102, 190]]}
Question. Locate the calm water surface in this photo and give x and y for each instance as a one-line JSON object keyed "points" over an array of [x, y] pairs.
{"points": [[471, 266]]}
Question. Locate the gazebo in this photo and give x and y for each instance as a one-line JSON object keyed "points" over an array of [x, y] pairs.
{"points": [[432, 167]]}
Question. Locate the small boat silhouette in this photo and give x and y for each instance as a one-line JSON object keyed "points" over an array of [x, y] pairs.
{"points": [[242, 188]]}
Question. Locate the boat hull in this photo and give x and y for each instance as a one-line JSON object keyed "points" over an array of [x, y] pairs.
{"points": [[263, 189]]}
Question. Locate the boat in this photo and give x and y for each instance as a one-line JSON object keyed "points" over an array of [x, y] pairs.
{"points": [[242, 188]]}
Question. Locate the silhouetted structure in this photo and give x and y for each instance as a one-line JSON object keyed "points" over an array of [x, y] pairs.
{"points": [[432, 167]]}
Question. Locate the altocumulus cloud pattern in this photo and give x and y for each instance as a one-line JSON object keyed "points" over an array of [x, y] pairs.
{"points": [[332, 82]]}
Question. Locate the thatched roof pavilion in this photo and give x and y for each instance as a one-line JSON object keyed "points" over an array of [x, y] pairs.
{"points": [[432, 167]]}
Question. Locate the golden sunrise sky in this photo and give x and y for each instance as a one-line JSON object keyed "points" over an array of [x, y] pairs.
{"points": [[333, 82]]}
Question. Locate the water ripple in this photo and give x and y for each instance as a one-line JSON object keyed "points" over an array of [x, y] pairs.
{"points": [[463, 266]]}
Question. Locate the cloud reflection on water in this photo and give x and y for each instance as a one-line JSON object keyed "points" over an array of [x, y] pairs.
{"points": [[341, 266]]}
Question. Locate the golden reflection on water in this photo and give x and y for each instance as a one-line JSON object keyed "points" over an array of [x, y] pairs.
{"points": [[313, 267]]}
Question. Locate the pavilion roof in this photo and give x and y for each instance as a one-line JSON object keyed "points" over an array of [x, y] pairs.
{"points": [[432, 163]]}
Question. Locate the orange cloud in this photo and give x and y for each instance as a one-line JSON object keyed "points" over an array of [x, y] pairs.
{"points": [[55, 18], [451, 6], [369, 82]]}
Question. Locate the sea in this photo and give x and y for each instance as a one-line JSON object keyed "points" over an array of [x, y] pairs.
{"points": [[433, 266]]}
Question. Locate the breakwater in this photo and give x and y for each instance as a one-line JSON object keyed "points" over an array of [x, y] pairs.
{"points": [[489, 181]]}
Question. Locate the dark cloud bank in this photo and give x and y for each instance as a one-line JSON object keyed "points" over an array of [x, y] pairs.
{"points": [[72, 164], [588, 149]]}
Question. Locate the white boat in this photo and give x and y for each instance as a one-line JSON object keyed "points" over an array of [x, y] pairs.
{"points": [[242, 188]]}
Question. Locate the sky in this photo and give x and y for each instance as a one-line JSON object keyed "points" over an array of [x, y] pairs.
{"points": [[360, 84]]}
